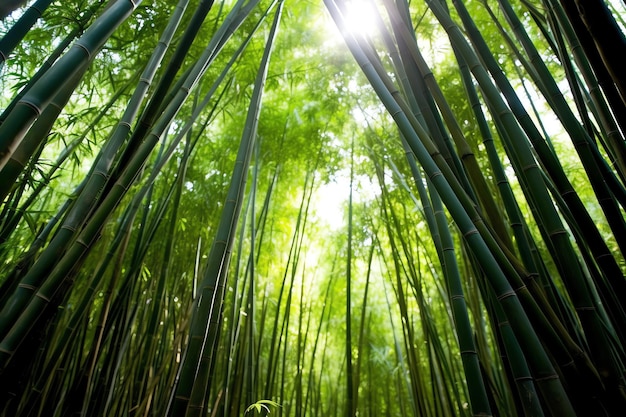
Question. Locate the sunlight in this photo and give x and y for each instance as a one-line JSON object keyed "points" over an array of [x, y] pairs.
{"points": [[360, 17]]}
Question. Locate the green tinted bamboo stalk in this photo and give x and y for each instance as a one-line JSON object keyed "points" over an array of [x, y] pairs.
{"points": [[588, 94], [475, 384], [304, 211], [324, 318], [612, 117], [123, 303], [554, 332], [597, 328], [502, 254], [503, 257], [418, 395], [281, 362], [350, 393], [600, 341], [526, 247], [447, 400], [516, 221], [231, 62], [20, 28], [130, 174], [58, 51], [446, 252], [301, 343], [549, 160], [149, 358], [93, 185], [465, 154], [235, 326], [83, 243], [595, 166], [276, 338], [251, 295], [532, 345], [363, 325], [73, 325], [190, 394], [522, 378], [604, 30], [37, 135], [565, 17], [139, 196], [419, 405], [151, 113], [259, 314], [34, 102]]}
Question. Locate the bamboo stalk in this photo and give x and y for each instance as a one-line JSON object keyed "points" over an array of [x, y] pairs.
{"points": [[43, 91]]}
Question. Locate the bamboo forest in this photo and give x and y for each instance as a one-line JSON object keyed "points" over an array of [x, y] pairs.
{"points": [[312, 208]]}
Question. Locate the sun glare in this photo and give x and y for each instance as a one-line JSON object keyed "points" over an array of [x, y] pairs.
{"points": [[360, 17]]}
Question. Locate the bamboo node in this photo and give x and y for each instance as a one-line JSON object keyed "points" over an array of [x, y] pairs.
{"points": [[473, 231], [26, 286], [32, 105], [43, 297], [84, 48], [546, 378], [558, 232], [506, 295]]}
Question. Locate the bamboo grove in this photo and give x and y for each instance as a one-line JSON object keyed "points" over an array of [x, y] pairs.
{"points": [[314, 208]]}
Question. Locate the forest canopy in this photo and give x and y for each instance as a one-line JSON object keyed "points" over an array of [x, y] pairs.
{"points": [[312, 208]]}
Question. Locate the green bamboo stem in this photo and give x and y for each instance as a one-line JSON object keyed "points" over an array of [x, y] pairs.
{"points": [[149, 359], [58, 51], [589, 63], [90, 191], [540, 362], [36, 137], [465, 154], [504, 258], [511, 207], [251, 333], [610, 119], [469, 354], [150, 113], [361, 346], [73, 325], [416, 387], [43, 91], [594, 164], [414, 383], [350, 389], [445, 249], [603, 28], [562, 250], [192, 388], [526, 247], [512, 356], [20, 28], [86, 237]]}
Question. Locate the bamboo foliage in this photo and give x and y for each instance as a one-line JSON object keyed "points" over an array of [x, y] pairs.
{"points": [[547, 216], [205, 215], [40, 95], [194, 378], [20, 28]]}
